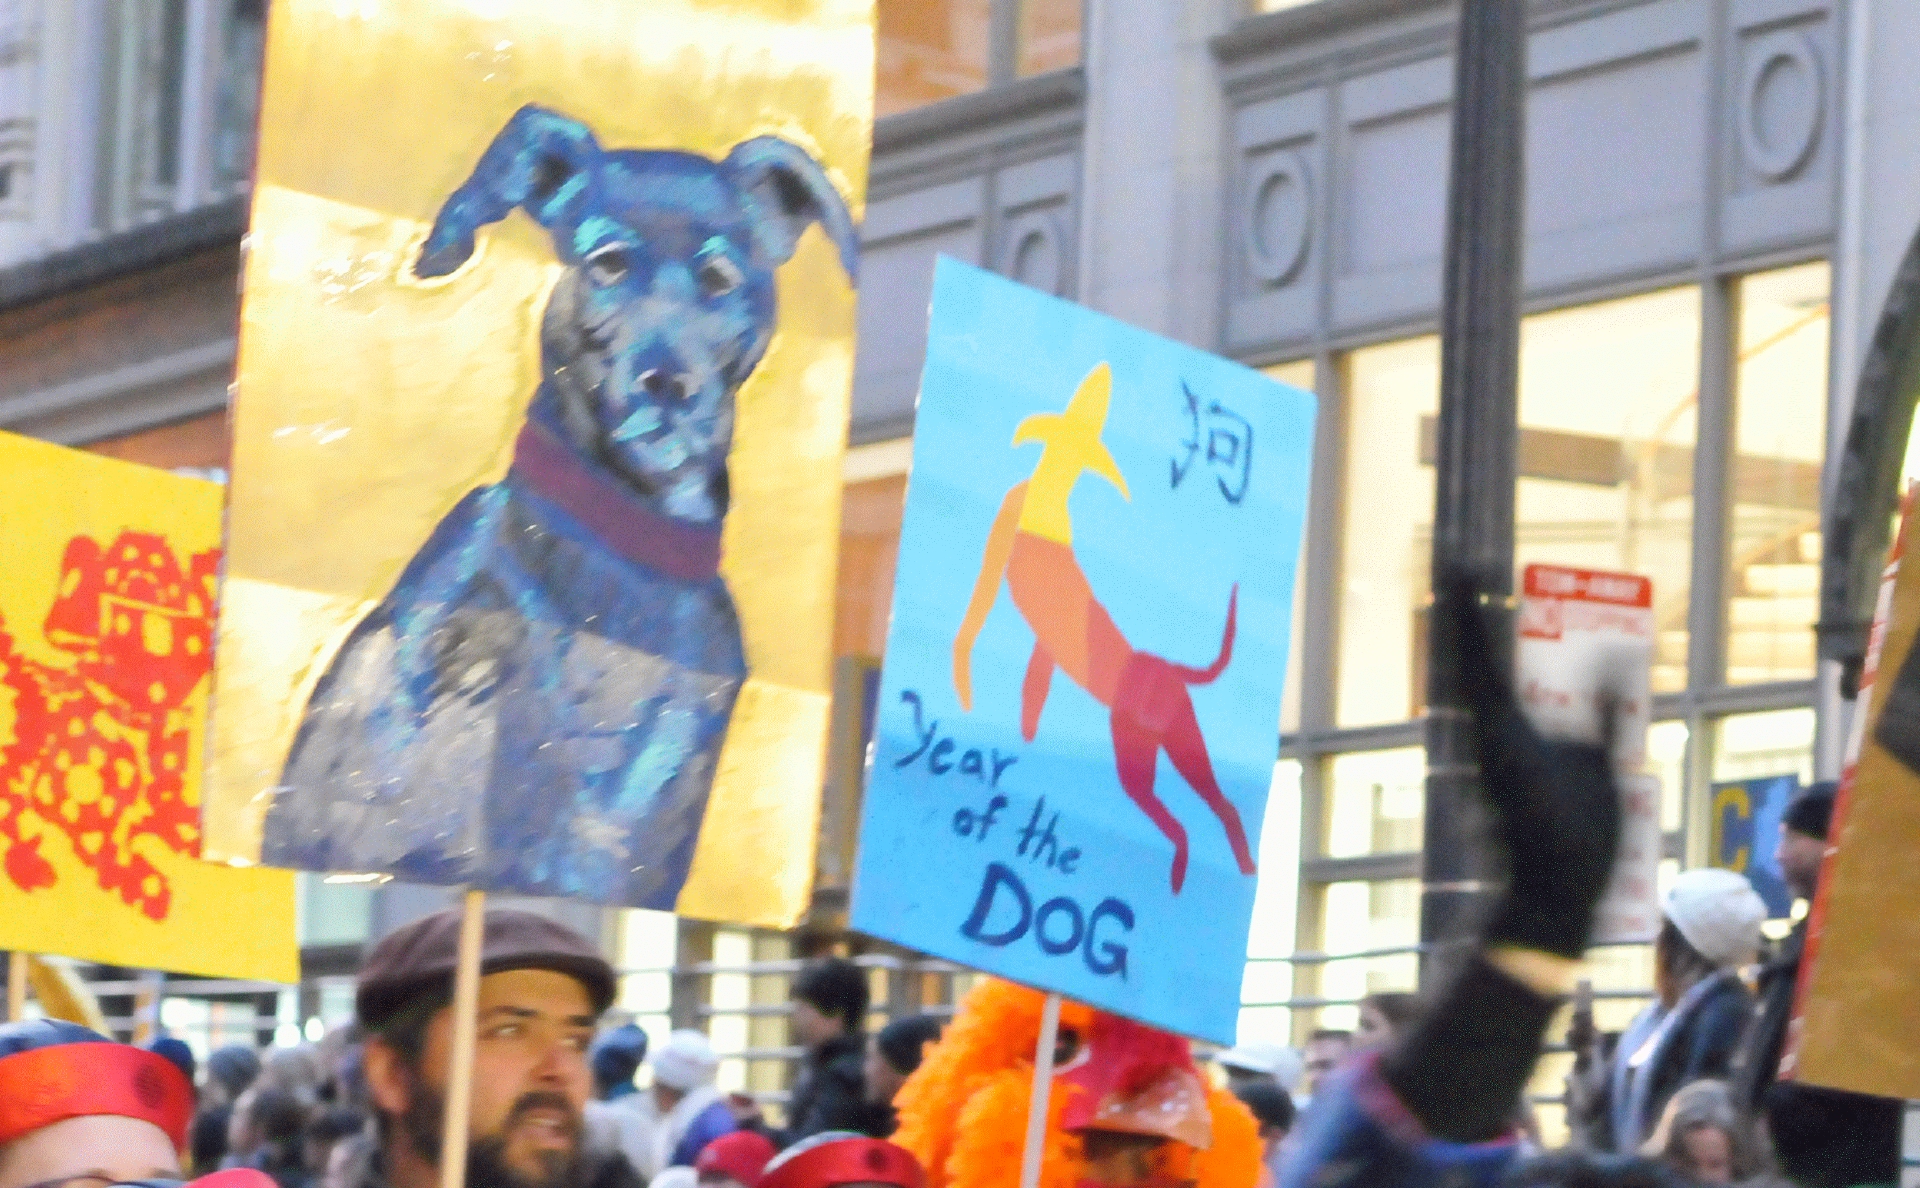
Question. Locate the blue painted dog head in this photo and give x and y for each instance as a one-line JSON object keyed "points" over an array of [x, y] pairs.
{"points": [[668, 299]]}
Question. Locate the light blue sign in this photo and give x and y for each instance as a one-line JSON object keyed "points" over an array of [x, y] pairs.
{"points": [[1079, 713]]}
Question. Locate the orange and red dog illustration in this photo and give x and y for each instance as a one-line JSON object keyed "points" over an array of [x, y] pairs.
{"points": [[1031, 546]]}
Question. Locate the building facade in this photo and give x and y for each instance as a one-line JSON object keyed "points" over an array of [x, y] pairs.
{"points": [[1718, 192]]}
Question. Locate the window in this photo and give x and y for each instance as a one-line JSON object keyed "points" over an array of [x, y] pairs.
{"points": [[929, 50], [1049, 36], [1777, 742], [1298, 373], [1773, 561], [1375, 803], [1268, 981], [1387, 510], [1358, 917], [1667, 759], [1608, 394]]}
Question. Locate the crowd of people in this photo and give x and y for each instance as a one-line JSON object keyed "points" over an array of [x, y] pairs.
{"points": [[1428, 1092]]}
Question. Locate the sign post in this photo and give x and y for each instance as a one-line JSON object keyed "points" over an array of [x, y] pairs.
{"points": [[1583, 632]]}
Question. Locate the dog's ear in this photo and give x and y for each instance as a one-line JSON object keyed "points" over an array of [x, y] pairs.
{"points": [[786, 191], [537, 163]]}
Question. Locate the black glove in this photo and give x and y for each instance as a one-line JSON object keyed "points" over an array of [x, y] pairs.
{"points": [[1556, 809], [1462, 1067]]}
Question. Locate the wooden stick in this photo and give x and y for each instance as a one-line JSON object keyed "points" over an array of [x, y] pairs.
{"points": [[466, 1011], [1042, 1090], [16, 986]]}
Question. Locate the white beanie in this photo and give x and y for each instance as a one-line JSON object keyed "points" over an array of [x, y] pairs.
{"points": [[1278, 1061], [1718, 912], [685, 1062]]}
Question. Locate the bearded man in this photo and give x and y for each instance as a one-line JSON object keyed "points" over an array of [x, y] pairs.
{"points": [[542, 990]]}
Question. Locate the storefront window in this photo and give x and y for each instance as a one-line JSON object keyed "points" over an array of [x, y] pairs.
{"points": [[1298, 373], [1049, 36], [1375, 803], [1359, 917], [929, 50], [1268, 981], [1667, 759], [1773, 571], [1753, 746], [1608, 396], [1387, 511]]}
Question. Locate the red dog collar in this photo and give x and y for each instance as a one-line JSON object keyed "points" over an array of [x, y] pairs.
{"points": [[47, 1085], [848, 1161]]}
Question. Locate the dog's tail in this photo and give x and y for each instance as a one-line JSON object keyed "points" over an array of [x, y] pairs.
{"points": [[1206, 676]]}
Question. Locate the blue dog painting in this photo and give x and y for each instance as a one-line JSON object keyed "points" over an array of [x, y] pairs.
{"points": [[539, 703]]}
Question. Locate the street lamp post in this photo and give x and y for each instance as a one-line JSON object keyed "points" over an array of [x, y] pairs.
{"points": [[1476, 454]]}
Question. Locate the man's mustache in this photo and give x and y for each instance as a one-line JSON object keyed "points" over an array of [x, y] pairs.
{"points": [[545, 1099]]}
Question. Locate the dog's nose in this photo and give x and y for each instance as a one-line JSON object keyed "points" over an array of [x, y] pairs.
{"points": [[660, 385]]}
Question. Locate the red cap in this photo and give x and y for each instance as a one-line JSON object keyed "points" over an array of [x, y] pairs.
{"points": [[850, 1159], [42, 1086], [742, 1155], [234, 1177]]}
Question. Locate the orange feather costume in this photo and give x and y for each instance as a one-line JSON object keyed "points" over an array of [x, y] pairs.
{"points": [[964, 1112]]}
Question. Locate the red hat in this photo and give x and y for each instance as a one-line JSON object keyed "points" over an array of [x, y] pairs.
{"points": [[1135, 1079], [54, 1071], [838, 1157], [742, 1155]]}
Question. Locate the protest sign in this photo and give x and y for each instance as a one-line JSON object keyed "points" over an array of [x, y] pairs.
{"points": [[1858, 1004], [544, 374], [1746, 823], [107, 574], [1584, 632], [1078, 714]]}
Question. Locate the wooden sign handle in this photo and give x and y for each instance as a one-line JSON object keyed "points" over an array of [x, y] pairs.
{"points": [[466, 1010], [1042, 1090]]}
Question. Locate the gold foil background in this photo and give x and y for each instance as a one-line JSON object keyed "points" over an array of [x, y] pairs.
{"points": [[369, 402]]}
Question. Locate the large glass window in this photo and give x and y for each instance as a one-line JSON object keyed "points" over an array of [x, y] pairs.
{"points": [[1049, 36], [1773, 561], [1363, 917], [1753, 746], [1393, 390], [1375, 803], [1268, 981], [1298, 373], [929, 50], [1608, 395]]}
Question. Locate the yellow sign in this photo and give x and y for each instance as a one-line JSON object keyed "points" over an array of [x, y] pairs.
{"points": [[107, 574], [544, 376]]}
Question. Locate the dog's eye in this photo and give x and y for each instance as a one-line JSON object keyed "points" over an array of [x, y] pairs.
{"points": [[608, 266], [719, 276]]}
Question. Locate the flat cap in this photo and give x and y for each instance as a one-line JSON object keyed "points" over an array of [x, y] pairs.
{"points": [[419, 960]]}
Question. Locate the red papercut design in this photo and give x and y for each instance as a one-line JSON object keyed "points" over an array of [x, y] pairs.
{"points": [[98, 747]]}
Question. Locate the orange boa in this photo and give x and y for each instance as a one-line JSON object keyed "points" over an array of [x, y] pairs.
{"points": [[964, 1112]]}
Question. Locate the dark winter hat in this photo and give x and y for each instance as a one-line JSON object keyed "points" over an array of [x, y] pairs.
{"points": [[418, 961], [1270, 1104], [834, 986], [616, 1056], [903, 1041], [1812, 812], [51, 1071], [233, 1067], [176, 1051]]}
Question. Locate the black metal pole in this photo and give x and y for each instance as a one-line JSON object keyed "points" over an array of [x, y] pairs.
{"points": [[1479, 425]]}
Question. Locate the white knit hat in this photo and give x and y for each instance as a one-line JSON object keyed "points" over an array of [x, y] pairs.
{"points": [[686, 1061], [1718, 912], [1278, 1061]]}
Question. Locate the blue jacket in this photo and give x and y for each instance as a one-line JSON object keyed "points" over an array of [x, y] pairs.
{"points": [[1357, 1133]]}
